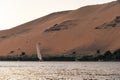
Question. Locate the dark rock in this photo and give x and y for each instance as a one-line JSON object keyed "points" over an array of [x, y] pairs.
{"points": [[113, 23], [62, 26]]}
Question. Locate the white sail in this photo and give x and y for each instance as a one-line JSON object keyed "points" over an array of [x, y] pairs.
{"points": [[38, 51]]}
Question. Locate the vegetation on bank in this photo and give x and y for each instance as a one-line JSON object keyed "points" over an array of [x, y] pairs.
{"points": [[60, 58], [107, 56], [19, 58]]}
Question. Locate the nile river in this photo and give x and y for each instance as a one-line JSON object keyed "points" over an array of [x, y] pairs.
{"points": [[59, 70]]}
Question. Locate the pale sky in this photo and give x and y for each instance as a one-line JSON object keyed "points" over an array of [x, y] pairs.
{"points": [[16, 12]]}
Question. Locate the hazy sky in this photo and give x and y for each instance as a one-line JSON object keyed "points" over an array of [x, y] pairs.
{"points": [[16, 12]]}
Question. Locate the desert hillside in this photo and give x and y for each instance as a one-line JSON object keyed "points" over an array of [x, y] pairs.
{"points": [[80, 32]]}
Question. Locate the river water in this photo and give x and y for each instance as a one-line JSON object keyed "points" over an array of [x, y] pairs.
{"points": [[59, 70]]}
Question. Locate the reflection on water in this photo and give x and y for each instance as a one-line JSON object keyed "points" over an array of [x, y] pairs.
{"points": [[59, 71]]}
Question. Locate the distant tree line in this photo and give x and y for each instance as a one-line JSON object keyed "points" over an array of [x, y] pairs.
{"points": [[59, 58], [107, 56], [22, 57]]}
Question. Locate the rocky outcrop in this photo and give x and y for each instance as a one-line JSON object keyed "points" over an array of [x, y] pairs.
{"points": [[112, 24], [62, 26]]}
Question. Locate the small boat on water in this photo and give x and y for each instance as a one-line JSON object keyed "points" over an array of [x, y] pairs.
{"points": [[38, 51]]}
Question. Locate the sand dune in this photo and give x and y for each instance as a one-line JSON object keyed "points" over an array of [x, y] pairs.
{"points": [[83, 31]]}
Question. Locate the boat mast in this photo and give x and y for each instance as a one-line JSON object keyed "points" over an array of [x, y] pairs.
{"points": [[38, 51]]}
